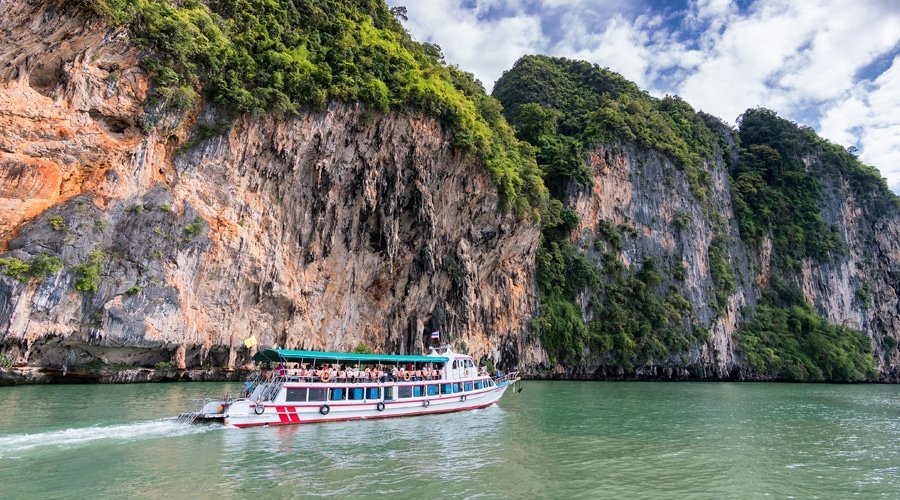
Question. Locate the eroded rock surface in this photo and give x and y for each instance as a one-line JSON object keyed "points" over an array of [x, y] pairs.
{"points": [[320, 231]]}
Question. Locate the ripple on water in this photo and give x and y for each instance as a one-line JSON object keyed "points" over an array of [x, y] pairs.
{"points": [[13, 446]]}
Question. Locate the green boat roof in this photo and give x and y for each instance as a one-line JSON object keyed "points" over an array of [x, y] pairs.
{"points": [[291, 355]]}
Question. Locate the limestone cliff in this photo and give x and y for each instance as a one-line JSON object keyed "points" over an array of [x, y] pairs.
{"points": [[649, 198], [134, 233], [650, 202], [654, 272], [319, 231]]}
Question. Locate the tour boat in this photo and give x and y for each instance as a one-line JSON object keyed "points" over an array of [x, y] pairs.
{"points": [[304, 387]]}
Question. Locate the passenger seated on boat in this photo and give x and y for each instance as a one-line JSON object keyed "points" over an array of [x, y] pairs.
{"points": [[341, 375], [395, 374], [419, 375]]}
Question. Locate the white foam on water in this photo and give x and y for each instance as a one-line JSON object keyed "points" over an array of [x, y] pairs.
{"points": [[12, 445]]}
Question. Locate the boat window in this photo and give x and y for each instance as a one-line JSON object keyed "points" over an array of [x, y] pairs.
{"points": [[356, 393], [418, 390], [404, 391], [388, 393], [374, 393], [317, 394], [454, 363], [455, 387], [337, 394], [467, 386], [479, 385], [295, 394], [445, 389], [432, 390]]}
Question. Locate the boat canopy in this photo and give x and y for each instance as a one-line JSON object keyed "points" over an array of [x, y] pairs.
{"points": [[290, 355]]}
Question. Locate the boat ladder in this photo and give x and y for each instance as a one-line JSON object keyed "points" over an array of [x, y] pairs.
{"points": [[188, 417]]}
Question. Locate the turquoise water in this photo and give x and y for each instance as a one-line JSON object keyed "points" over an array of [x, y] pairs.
{"points": [[554, 439]]}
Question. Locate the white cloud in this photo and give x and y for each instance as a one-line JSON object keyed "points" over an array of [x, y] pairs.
{"points": [[483, 47], [867, 116]]}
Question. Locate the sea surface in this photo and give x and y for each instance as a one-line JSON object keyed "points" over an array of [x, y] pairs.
{"points": [[552, 440]]}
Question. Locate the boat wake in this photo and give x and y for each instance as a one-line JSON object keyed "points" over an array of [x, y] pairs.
{"points": [[12, 446]]}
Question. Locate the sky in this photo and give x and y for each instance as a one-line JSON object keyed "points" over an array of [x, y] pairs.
{"points": [[833, 65]]}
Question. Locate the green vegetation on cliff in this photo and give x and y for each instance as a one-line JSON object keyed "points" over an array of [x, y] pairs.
{"points": [[777, 190], [40, 267], [776, 187], [787, 340], [634, 320], [597, 106], [279, 56]]}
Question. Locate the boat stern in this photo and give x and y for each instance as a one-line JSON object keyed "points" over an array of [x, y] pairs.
{"points": [[210, 411]]}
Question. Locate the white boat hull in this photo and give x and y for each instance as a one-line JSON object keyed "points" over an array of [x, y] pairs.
{"points": [[245, 413]]}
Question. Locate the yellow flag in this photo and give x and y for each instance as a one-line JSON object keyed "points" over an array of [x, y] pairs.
{"points": [[250, 342]]}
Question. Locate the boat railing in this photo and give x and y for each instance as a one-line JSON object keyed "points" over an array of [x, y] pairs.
{"points": [[507, 377], [361, 380]]}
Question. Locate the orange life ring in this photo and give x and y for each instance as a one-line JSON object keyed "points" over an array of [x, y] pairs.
{"points": [[406, 376], [325, 376], [467, 372]]}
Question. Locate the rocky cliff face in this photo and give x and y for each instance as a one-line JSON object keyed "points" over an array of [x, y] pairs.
{"points": [[651, 203], [860, 289], [674, 226], [183, 234], [319, 231]]}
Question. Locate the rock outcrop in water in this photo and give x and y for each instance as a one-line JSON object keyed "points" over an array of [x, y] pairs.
{"points": [[181, 235]]}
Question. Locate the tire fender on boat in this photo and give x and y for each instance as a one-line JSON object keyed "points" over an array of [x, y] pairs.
{"points": [[462, 398], [426, 403], [324, 409], [379, 406], [259, 408]]}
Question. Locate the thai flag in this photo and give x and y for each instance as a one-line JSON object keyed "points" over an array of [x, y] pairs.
{"points": [[435, 335]]}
